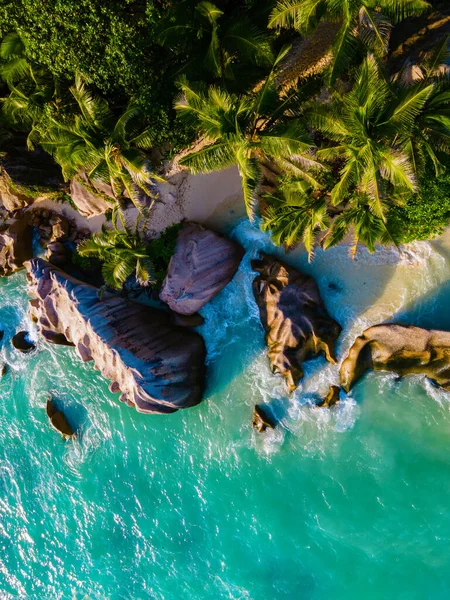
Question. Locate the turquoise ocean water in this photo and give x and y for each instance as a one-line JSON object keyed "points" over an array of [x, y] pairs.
{"points": [[351, 503]]}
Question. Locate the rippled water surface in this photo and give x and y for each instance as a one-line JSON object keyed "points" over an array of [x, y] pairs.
{"points": [[348, 503]]}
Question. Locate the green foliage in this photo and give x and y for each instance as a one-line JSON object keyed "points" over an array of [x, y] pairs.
{"points": [[382, 133], [108, 149], [249, 130], [215, 44], [296, 215], [425, 215], [122, 254], [161, 251], [364, 23]]}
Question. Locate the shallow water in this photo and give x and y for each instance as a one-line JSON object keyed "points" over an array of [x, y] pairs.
{"points": [[344, 503]]}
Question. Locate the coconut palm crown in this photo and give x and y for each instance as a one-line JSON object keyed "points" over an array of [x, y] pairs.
{"points": [[248, 131], [366, 22], [375, 134], [108, 149], [122, 252]]}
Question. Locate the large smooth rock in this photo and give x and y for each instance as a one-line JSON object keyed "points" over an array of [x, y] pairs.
{"points": [[89, 200], [403, 349], [16, 246], [157, 366], [297, 324], [203, 263]]}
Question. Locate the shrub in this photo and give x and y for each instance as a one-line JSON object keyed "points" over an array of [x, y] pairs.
{"points": [[424, 215]]}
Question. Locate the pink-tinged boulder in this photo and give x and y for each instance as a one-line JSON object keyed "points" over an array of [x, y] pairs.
{"points": [[403, 349], [16, 246], [90, 200], [157, 366], [297, 324], [203, 263]]}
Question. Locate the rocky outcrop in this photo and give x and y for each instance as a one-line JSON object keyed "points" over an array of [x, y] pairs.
{"points": [[22, 343], [90, 200], [331, 398], [203, 263], [58, 420], [16, 246], [294, 317], [262, 419], [157, 366], [403, 349]]}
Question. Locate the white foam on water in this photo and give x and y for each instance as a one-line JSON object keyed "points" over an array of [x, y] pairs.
{"points": [[358, 293]]}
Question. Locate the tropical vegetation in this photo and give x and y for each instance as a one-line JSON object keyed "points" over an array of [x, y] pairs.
{"points": [[357, 150]]}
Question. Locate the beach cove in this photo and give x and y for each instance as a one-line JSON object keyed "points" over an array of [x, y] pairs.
{"points": [[141, 506]]}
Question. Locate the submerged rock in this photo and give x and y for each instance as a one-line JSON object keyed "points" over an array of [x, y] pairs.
{"points": [[16, 246], [58, 420], [21, 343], [262, 419], [203, 263], [331, 398], [3, 369], [403, 349], [157, 366], [297, 324]]}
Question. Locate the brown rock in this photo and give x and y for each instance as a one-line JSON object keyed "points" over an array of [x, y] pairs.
{"points": [[204, 262], [20, 342], [262, 419], [56, 254], [16, 246], [58, 420], [157, 366], [402, 349], [331, 398], [60, 228], [294, 317], [194, 320]]}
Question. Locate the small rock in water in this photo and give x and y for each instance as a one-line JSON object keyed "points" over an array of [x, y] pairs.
{"points": [[2, 335], [21, 343], [331, 398], [3, 370], [58, 420], [262, 419]]}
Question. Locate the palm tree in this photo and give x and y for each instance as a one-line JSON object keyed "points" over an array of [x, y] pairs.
{"points": [[367, 227], [428, 136], [366, 22], [122, 253], [108, 149], [296, 214], [250, 131], [217, 45], [370, 128]]}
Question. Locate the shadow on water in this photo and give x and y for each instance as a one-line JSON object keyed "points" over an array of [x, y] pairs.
{"points": [[431, 311]]}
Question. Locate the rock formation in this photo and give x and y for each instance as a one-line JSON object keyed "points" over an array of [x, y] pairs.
{"points": [[21, 342], [262, 419], [203, 263], [157, 366], [89, 200], [58, 420], [331, 398], [16, 246], [403, 349], [294, 317]]}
